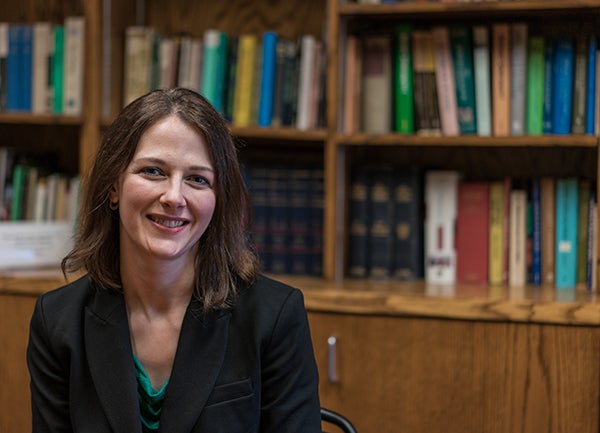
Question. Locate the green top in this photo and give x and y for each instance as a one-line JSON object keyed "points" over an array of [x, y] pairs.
{"points": [[151, 400]]}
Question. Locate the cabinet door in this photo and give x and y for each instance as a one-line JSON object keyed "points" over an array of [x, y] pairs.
{"points": [[403, 374], [15, 406]]}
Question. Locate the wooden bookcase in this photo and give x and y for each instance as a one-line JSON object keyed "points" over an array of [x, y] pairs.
{"points": [[416, 363]]}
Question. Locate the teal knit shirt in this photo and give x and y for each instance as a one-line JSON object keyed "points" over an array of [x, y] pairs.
{"points": [[151, 400]]}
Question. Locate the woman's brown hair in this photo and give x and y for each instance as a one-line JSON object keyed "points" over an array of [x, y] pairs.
{"points": [[224, 252]]}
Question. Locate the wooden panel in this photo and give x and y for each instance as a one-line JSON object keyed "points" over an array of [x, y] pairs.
{"points": [[15, 405], [429, 375]]}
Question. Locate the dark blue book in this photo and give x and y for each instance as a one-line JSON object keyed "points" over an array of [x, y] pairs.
{"points": [[408, 224], [464, 76], [14, 60], [562, 86], [317, 207], [381, 240], [300, 234], [267, 86], [359, 223], [278, 201], [548, 87], [258, 184], [536, 235], [591, 86]]}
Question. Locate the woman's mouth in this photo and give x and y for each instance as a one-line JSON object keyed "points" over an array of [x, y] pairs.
{"points": [[169, 223]]}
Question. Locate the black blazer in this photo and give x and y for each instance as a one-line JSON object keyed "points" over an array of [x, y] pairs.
{"points": [[247, 369]]}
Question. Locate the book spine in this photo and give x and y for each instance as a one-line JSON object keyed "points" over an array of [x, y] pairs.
{"points": [[210, 67], [562, 88], [73, 65], [244, 80], [518, 78], [381, 224], [566, 233], [501, 78], [462, 59], [517, 276], [548, 209], [591, 107], [358, 258], [42, 53], [536, 249], [496, 233], [307, 60], [535, 86], [548, 86], [582, 231], [376, 84], [13, 67], [579, 103], [481, 66], [427, 119], [267, 88], [445, 81], [403, 81]]}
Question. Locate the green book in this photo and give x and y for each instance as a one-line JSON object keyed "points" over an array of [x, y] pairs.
{"points": [[57, 69], [404, 121], [535, 85], [18, 191], [461, 44]]}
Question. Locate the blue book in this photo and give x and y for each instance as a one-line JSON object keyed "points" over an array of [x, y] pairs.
{"points": [[13, 67], [26, 67], [536, 233], [267, 85], [548, 85], [591, 86], [566, 232], [562, 86]]}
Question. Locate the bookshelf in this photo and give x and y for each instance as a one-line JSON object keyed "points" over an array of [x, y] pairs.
{"points": [[339, 305]]}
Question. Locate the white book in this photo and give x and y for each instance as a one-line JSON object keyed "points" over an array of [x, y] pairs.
{"points": [[41, 197], [481, 63], [441, 201], [73, 65], [518, 79], [43, 49], [185, 59], [137, 62], [517, 244], [307, 61], [445, 81]]}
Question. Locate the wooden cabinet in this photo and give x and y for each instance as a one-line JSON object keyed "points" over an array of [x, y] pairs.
{"points": [[411, 364]]}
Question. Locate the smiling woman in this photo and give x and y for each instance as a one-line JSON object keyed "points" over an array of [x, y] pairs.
{"points": [[172, 328]]}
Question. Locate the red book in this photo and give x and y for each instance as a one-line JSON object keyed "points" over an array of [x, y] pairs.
{"points": [[472, 233]]}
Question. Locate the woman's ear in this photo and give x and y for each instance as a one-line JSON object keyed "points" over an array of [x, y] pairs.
{"points": [[113, 195]]}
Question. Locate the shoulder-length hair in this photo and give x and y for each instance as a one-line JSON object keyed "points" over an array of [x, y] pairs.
{"points": [[224, 253]]}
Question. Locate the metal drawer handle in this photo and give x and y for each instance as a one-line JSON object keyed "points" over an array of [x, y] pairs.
{"points": [[331, 368]]}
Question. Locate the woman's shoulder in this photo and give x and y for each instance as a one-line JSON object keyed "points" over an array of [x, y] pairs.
{"points": [[68, 299], [268, 294]]}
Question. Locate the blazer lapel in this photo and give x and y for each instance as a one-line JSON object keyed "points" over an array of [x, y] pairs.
{"points": [[110, 359], [200, 354]]}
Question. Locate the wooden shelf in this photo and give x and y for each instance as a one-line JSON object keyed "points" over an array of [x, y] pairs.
{"points": [[39, 119]]}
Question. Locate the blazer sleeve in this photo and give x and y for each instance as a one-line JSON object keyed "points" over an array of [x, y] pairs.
{"points": [[49, 380], [290, 396]]}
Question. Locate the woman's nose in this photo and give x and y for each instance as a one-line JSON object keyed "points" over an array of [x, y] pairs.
{"points": [[172, 196]]}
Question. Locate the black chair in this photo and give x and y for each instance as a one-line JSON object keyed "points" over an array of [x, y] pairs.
{"points": [[337, 420]]}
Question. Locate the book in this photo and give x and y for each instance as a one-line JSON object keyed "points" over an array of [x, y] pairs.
{"points": [[230, 78], [441, 189], [74, 65], [517, 267], [501, 79], [43, 48], [498, 225], [19, 67], [352, 85], [376, 84], [289, 93], [19, 183], [590, 110], [472, 233], [267, 87], [518, 77], [580, 82], [462, 58], [583, 199], [168, 48], [536, 232], [214, 56], [548, 86], [535, 86], [481, 72], [308, 55], [3, 65], [592, 244], [276, 117], [445, 80], [57, 69], [566, 202], [381, 224], [427, 117], [358, 223], [245, 77], [562, 85], [548, 229], [403, 81], [408, 224], [139, 41]]}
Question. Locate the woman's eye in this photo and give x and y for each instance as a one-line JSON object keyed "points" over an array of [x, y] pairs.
{"points": [[151, 171], [198, 180]]}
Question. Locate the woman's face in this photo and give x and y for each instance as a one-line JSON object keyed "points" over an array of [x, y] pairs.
{"points": [[166, 196]]}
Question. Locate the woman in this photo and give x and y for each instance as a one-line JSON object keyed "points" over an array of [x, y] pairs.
{"points": [[172, 329]]}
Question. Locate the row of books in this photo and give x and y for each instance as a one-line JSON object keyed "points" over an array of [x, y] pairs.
{"points": [[409, 224], [30, 192], [500, 79], [287, 217], [252, 80], [42, 66]]}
